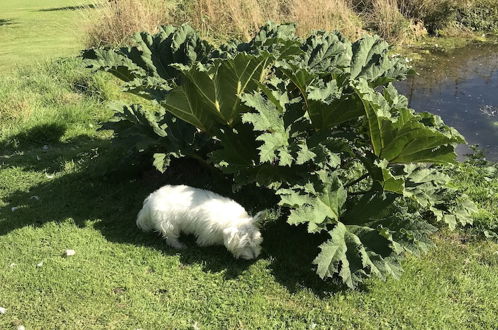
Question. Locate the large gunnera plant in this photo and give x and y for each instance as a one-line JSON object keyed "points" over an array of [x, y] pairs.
{"points": [[316, 121]]}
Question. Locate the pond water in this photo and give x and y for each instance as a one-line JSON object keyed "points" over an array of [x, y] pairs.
{"points": [[462, 88]]}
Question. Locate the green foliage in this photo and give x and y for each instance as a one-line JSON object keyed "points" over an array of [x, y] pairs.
{"points": [[481, 16], [408, 137], [210, 96], [479, 179], [315, 121]]}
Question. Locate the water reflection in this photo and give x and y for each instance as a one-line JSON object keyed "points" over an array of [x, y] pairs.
{"points": [[461, 87]]}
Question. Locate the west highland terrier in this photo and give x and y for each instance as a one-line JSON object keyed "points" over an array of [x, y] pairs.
{"points": [[213, 219]]}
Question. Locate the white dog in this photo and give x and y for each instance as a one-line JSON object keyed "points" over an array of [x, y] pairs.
{"points": [[212, 218]]}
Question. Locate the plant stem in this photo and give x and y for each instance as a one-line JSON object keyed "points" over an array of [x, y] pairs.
{"points": [[359, 192], [364, 176]]}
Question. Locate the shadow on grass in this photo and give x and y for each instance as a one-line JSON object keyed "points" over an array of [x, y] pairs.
{"points": [[110, 203], [72, 8], [35, 136], [292, 251], [40, 149], [4, 22]]}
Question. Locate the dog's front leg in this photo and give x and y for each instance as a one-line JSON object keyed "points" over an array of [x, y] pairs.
{"points": [[171, 234], [175, 243]]}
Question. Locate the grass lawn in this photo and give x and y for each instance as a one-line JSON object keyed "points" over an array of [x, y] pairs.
{"points": [[33, 30], [54, 196]]}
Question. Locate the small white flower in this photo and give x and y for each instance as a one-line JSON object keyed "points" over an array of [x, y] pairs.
{"points": [[39, 264], [69, 253], [12, 265], [21, 327], [3, 310]]}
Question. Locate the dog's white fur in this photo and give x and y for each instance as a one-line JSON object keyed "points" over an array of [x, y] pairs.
{"points": [[212, 218]]}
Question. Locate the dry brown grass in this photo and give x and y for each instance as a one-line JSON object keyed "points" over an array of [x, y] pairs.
{"points": [[240, 18], [325, 15], [218, 20], [114, 21], [386, 19], [223, 19], [15, 108]]}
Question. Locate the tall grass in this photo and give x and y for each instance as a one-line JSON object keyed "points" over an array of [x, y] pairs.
{"points": [[219, 20], [225, 19], [326, 15], [115, 20], [386, 19], [240, 18]]}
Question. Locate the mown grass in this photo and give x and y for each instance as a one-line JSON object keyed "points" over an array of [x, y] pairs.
{"points": [[32, 31], [123, 278]]}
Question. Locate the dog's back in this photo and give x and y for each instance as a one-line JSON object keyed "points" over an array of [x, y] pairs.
{"points": [[186, 206], [170, 202]]}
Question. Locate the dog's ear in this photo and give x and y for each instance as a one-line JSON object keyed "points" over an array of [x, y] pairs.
{"points": [[230, 237]]}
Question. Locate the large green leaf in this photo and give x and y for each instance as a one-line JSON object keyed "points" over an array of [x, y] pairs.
{"points": [[238, 150], [406, 232], [332, 257], [134, 118], [348, 255], [328, 107], [210, 96], [367, 58], [317, 211], [354, 252], [286, 135], [382, 175], [369, 206], [325, 102], [406, 138], [370, 61], [146, 129], [268, 118], [327, 52], [396, 100], [278, 39], [147, 66], [429, 187]]}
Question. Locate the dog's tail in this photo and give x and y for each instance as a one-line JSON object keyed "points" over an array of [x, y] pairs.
{"points": [[143, 218]]}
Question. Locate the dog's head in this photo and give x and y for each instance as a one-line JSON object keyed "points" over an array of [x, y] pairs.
{"points": [[244, 240]]}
